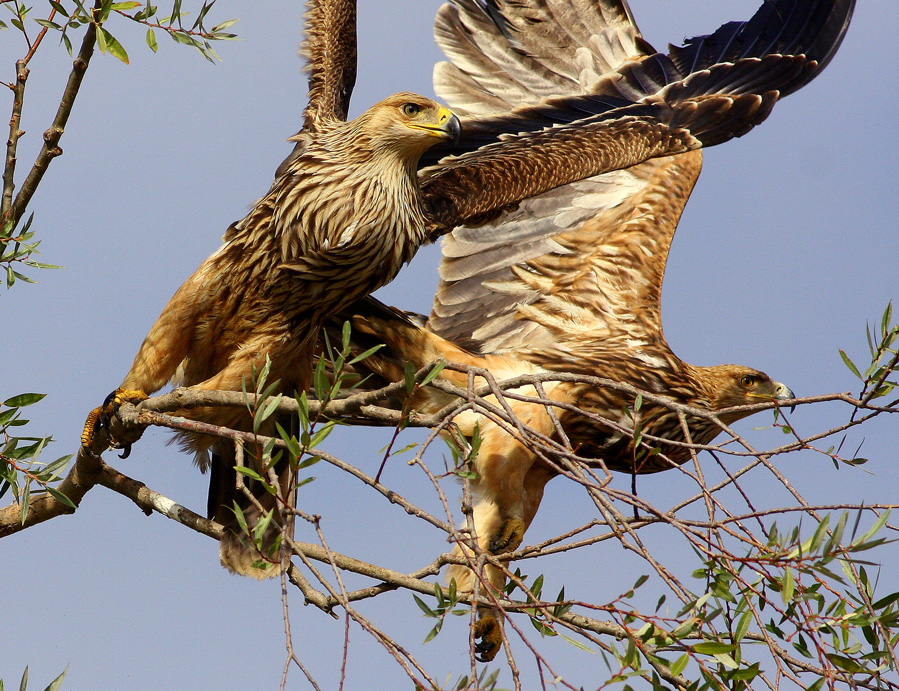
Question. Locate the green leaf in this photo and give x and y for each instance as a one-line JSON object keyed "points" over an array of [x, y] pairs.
{"points": [[850, 365], [151, 40], [24, 682], [227, 24], [845, 663], [46, 23], [430, 376], [743, 626], [262, 525], [878, 524], [111, 45], [23, 399], [266, 411], [238, 514], [56, 683], [713, 648], [433, 632], [62, 10], [118, 6], [787, 586], [61, 498], [249, 472], [321, 434], [680, 664], [726, 660], [423, 607], [26, 503], [367, 353]]}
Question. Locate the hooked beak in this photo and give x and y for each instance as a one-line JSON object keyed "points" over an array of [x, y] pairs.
{"points": [[447, 127], [782, 392], [451, 125]]}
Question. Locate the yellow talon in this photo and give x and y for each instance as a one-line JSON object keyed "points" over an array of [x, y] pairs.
{"points": [[99, 418], [89, 426]]}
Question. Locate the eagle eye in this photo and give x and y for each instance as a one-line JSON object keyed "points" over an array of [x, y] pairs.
{"points": [[747, 381], [411, 110]]}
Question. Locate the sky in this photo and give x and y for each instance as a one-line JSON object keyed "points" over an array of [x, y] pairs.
{"points": [[787, 247]]}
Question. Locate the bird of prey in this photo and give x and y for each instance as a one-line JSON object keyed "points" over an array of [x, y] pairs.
{"points": [[356, 199], [570, 280]]}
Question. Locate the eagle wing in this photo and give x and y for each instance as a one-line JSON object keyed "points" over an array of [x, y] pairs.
{"points": [[591, 253], [579, 264], [330, 52], [652, 104]]}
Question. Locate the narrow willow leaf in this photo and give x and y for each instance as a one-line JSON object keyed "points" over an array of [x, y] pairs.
{"points": [[423, 607], [850, 364], [787, 586], [437, 369], [368, 353], [714, 648], [679, 665], [433, 632], [726, 660], [112, 46], [61, 498], [743, 626], [151, 40], [23, 399], [56, 683], [248, 472], [227, 24]]}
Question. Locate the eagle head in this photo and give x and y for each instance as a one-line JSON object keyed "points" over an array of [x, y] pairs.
{"points": [[735, 385], [410, 124]]}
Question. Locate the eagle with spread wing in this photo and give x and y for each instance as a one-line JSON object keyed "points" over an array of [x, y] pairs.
{"points": [[570, 281], [356, 199]]}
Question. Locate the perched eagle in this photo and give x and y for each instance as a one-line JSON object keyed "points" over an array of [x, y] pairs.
{"points": [[354, 201], [570, 280]]}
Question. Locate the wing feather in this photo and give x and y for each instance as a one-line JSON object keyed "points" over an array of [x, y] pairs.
{"points": [[505, 53], [581, 262], [496, 289], [330, 51]]}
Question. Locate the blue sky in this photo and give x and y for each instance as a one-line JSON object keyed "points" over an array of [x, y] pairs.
{"points": [[787, 247]]}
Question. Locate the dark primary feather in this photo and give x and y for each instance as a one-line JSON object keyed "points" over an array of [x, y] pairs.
{"points": [[512, 69]]}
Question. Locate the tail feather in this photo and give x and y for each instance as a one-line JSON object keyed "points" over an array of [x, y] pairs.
{"points": [[257, 556]]}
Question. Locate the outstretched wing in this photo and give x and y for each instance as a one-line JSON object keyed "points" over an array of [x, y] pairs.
{"points": [[577, 266], [711, 89], [503, 286], [330, 51]]}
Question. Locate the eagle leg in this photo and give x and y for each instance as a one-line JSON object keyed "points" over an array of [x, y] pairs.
{"points": [[488, 635], [100, 419]]}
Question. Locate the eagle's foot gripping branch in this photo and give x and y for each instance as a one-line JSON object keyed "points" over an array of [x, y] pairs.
{"points": [[99, 420], [508, 537]]}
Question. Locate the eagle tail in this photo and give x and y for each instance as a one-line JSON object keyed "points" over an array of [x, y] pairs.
{"points": [[245, 548]]}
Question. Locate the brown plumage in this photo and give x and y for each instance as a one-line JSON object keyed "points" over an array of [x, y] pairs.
{"points": [[349, 206], [589, 305], [570, 280]]}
